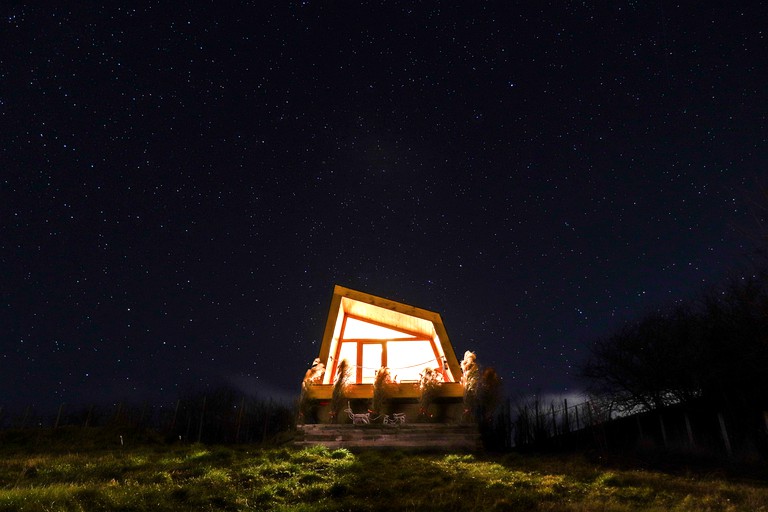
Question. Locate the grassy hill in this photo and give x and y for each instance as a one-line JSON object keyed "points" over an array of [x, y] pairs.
{"points": [[74, 470]]}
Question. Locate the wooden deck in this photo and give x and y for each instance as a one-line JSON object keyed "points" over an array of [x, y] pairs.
{"points": [[416, 436], [403, 390]]}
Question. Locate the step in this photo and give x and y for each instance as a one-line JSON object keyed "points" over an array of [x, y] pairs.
{"points": [[414, 436]]}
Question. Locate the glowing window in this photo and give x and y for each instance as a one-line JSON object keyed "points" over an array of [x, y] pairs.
{"points": [[357, 329], [406, 359], [348, 351], [371, 361]]}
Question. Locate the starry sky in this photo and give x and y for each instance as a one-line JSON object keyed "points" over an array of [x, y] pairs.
{"points": [[181, 186]]}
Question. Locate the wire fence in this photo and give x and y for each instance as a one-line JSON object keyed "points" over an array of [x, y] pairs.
{"points": [[206, 418], [693, 427], [532, 424]]}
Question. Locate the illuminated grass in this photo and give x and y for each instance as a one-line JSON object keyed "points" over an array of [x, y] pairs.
{"points": [[318, 479]]}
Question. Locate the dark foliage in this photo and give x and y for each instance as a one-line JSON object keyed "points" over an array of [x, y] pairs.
{"points": [[714, 349], [225, 415]]}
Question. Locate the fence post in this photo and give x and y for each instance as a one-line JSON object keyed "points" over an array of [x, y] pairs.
{"points": [[554, 419], [688, 429], [266, 421], [576, 411], [202, 415], [188, 437], [58, 417], [88, 417], [143, 413], [724, 433], [240, 419], [663, 430], [526, 437], [175, 415], [567, 424], [26, 415]]}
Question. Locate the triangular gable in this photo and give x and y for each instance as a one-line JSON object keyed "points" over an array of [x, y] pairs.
{"points": [[380, 330]]}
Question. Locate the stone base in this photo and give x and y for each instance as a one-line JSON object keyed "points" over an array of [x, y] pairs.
{"points": [[416, 436]]}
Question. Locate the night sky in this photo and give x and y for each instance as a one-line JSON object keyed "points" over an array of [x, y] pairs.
{"points": [[181, 187]]}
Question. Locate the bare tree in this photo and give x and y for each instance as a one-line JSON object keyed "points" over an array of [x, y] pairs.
{"points": [[714, 349]]}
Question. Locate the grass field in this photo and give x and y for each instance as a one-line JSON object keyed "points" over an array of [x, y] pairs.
{"points": [[72, 474]]}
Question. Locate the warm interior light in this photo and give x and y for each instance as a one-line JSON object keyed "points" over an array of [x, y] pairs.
{"points": [[357, 329], [368, 346], [371, 361], [348, 351], [407, 359]]}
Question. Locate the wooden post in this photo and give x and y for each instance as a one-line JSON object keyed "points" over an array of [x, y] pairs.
{"points": [[526, 431], [26, 415], [566, 424], [88, 417], [554, 419], [688, 429], [724, 433], [576, 412], [663, 430], [507, 417], [240, 419], [175, 415], [143, 412], [266, 420], [58, 417], [202, 415]]}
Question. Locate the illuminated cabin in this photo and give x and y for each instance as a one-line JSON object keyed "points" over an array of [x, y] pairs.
{"points": [[372, 332]]}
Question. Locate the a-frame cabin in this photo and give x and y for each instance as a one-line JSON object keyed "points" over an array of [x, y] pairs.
{"points": [[372, 332]]}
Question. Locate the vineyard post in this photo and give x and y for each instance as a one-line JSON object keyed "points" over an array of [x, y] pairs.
{"points": [[724, 433], [688, 429], [58, 417], [202, 415], [566, 425]]}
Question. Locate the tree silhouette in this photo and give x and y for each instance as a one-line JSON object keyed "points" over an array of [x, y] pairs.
{"points": [[713, 349]]}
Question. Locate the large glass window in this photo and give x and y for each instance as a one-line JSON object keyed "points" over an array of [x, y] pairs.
{"points": [[371, 361], [358, 329], [407, 359], [348, 351], [368, 346]]}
